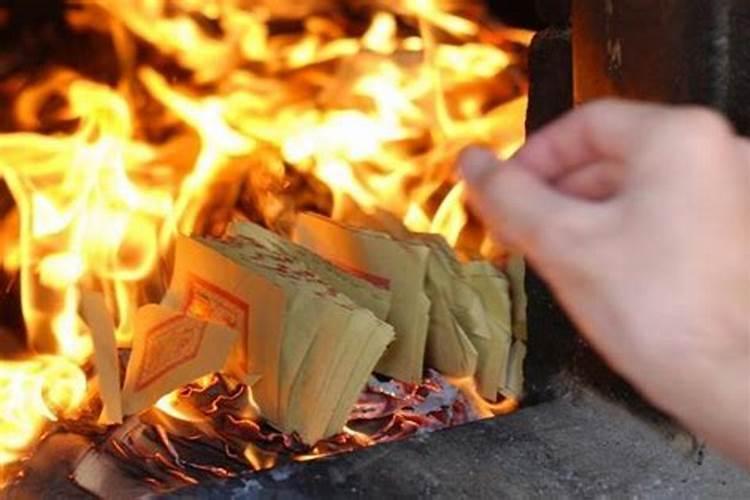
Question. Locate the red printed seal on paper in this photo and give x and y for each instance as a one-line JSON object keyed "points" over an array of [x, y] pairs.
{"points": [[169, 344], [378, 281], [210, 302]]}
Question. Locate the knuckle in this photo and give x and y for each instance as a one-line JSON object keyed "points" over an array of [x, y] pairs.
{"points": [[599, 109], [707, 122], [558, 229], [567, 222], [711, 120], [603, 104], [537, 237], [688, 132], [585, 222]]}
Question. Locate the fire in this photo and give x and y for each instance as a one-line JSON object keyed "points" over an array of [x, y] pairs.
{"points": [[34, 392], [484, 408], [375, 112]]}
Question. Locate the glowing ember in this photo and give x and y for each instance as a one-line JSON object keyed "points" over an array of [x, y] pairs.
{"points": [[223, 111], [200, 432]]}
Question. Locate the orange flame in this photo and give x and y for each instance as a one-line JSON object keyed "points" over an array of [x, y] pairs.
{"points": [[376, 114], [34, 392], [484, 408]]}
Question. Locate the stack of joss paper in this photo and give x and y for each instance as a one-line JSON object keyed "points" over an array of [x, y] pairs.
{"points": [[398, 266], [303, 334], [305, 347], [452, 316], [305, 324]]}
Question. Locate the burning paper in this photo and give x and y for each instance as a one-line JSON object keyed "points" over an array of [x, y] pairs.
{"points": [[174, 117], [514, 377], [469, 317], [94, 311], [306, 348], [169, 350], [494, 350], [512, 381], [375, 298], [475, 298], [449, 347], [388, 263]]}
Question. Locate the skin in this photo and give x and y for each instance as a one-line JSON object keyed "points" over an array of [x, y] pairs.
{"points": [[638, 217]]}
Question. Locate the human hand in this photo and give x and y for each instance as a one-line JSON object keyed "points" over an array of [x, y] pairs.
{"points": [[638, 216]]}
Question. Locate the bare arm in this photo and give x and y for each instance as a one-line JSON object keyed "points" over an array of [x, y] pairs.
{"points": [[639, 218]]}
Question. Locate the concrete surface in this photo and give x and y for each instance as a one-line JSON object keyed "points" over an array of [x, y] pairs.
{"points": [[579, 446]]}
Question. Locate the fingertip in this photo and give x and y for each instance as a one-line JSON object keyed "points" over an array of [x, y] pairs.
{"points": [[474, 163], [519, 208]]}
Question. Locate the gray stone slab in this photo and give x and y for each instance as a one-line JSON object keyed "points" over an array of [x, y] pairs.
{"points": [[576, 447]]}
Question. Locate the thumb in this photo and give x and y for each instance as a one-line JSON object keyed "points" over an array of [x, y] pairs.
{"points": [[517, 205]]}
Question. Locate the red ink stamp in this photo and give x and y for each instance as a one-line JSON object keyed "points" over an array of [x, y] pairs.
{"points": [[378, 281], [210, 302], [167, 345]]}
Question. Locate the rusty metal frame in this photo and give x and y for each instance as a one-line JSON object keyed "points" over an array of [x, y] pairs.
{"points": [[675, 51]]}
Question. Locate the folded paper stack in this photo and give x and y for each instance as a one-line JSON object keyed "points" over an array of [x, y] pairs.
{"points": [[305, 323], [452, 316], [306, 348], [396, 265]]}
